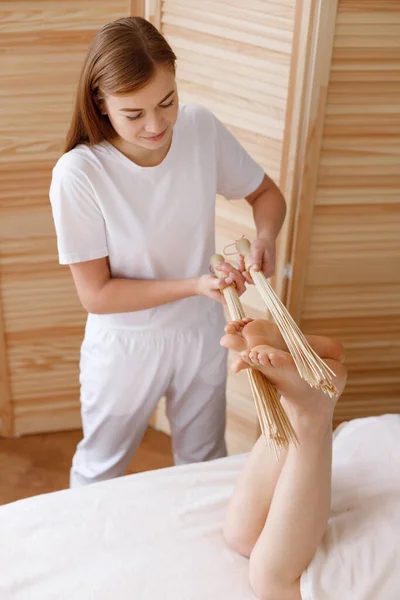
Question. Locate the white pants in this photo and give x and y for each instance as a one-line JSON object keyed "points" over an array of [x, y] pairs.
{"points": [[124, 374]]}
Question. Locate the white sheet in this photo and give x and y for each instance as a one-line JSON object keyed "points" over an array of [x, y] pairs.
{"points": [[359, 556], [157, 535]]}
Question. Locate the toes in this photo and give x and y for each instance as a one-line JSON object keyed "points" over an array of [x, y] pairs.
{"points": [[253, 356], [247, 357], [263, 358], [268, 356], [239, 364], [231, 329], [279, 359], [237, 326], [233, 342]]}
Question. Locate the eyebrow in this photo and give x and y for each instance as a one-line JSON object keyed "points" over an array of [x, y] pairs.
{"points": [[140, 109]]}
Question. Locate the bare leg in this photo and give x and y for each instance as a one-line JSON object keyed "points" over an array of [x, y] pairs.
{"points": [[300, 504], [250, 503]]}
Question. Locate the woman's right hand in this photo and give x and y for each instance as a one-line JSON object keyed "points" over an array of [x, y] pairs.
{"points": [[211, 286]]}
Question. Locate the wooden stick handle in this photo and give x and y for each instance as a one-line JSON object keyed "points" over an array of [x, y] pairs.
{"points": [[217, 258], [230, 294], [243, 246]]}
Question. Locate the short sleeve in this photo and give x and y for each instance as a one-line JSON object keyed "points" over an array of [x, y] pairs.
{"points": [[79, 223], [238, 174]]}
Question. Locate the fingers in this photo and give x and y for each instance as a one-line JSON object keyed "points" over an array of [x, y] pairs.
{"points": [[268, 269], [242, 268], [233, 276], [240, 263], [257, 252], [263, 256], [217, 296]]}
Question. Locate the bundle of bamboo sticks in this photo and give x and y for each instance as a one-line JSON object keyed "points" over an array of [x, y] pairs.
{"points": [[310, 366], [274, 422], [275, 425]]}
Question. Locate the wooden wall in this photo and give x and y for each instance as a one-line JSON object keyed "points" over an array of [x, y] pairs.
{"points": [[346, 258], [42, 46], [234, 58]]}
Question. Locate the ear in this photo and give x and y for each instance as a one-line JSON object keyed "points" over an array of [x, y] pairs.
{"points": [[100, 103]]}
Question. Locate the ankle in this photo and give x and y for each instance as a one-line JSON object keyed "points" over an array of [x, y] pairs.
{"points": [[315, 422]]}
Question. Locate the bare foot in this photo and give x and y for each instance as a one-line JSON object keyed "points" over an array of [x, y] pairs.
{"points": [[278, 366], [248, 333]]}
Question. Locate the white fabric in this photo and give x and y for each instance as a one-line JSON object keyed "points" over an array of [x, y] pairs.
{"points": [[152, 536], [359, 556], [152, 222], [123, 375], [157, 535]]}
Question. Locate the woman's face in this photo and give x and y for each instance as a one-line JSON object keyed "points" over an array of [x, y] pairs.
{"points": [[146, 118]]}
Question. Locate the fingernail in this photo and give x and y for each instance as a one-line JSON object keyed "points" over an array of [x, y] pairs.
{"points": [[255, 266], [228, 280]]}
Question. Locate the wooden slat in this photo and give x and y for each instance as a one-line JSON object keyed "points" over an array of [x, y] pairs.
{"points": [[232, 16], [293, 143], [50, 17], [6, 410], [282, 8], [351, 263], [43, 45], [137, 8], [320, 58]]}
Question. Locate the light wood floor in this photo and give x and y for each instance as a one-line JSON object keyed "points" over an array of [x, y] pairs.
{"points": [[38, 464]]}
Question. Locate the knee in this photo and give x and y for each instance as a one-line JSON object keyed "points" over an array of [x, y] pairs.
{"points": [[238, 543], [267, 586]]}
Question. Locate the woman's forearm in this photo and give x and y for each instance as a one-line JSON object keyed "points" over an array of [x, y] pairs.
{"points": [[269, 212], [130, 295]]}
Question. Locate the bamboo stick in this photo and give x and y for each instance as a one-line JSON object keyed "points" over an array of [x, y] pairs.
{"points": [[274, 422], [310, 366]]}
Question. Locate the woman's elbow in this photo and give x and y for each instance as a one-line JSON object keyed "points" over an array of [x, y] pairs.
{"points": [[93, 304]]}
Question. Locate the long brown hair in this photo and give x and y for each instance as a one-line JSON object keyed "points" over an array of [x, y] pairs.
{"points": [[122, 58]]}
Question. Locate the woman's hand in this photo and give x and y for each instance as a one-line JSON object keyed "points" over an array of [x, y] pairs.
{"points": [[211, 286], [263, 258]]}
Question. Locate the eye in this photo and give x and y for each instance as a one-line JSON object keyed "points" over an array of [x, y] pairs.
{"points": [[135, 117], [167, 105]]}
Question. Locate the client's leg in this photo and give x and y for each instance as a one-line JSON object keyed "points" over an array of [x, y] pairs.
{"points": [[296, 510], [249, 506]]}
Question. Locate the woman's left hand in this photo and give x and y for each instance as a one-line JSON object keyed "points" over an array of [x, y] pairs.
{"points": [[231, 275], [263, 258]]}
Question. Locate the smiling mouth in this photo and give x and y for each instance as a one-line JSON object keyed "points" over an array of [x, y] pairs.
{"points": [[156, 138]]}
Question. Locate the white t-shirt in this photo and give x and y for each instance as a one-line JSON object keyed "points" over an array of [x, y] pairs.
{"points": [[153, 223]]}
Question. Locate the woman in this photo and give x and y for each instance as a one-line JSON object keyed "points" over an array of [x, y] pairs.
{"points": [[133, 201]]}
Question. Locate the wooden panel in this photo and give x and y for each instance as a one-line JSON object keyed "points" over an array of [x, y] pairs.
{"points": [[352, 283], [6, 413], [234, 58], [319, 58], [42, 44]]}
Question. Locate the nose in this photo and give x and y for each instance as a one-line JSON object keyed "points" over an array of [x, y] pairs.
{"points": [[154, 124]]}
